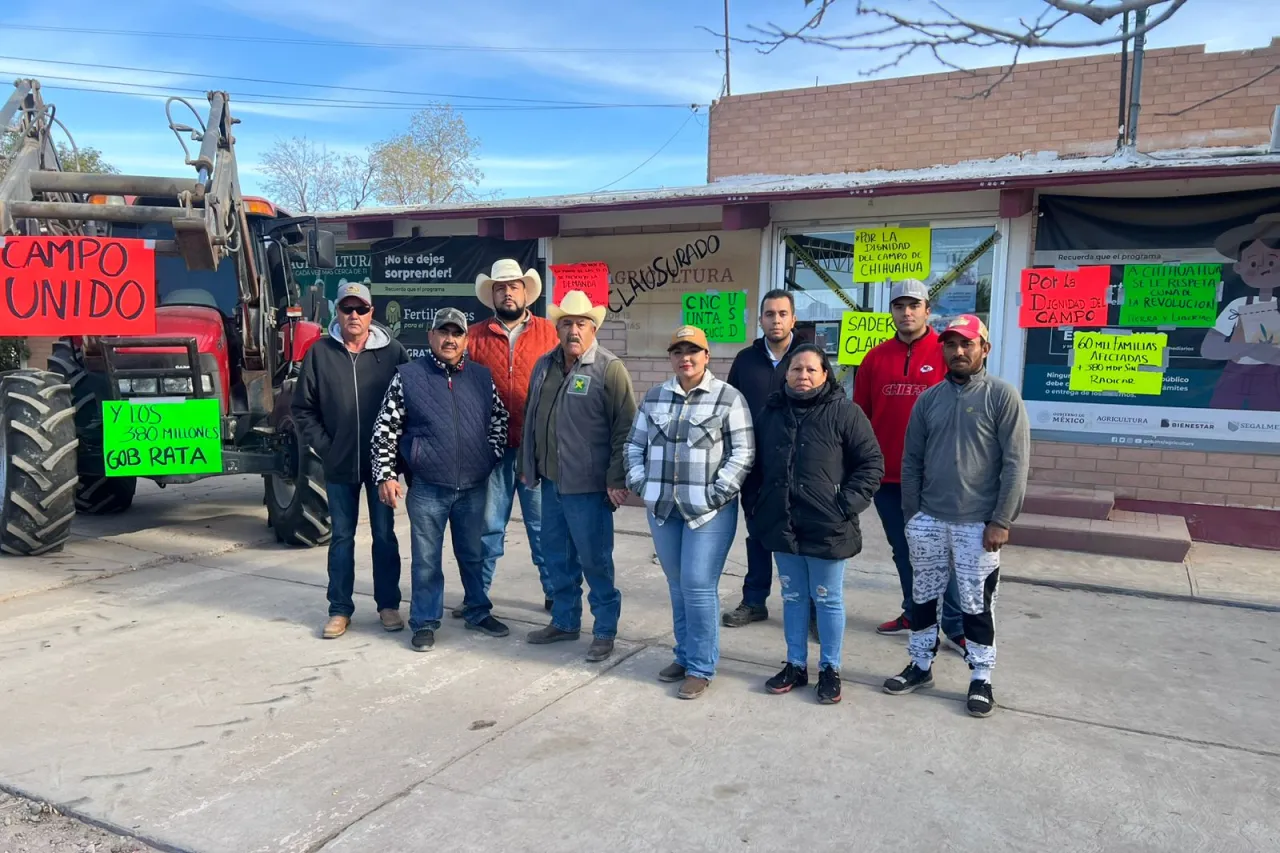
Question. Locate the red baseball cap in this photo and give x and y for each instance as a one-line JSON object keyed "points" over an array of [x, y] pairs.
{"points": [[967, 326]]}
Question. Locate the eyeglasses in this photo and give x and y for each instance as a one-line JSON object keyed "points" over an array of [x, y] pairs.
{"points": [[355, 309]]}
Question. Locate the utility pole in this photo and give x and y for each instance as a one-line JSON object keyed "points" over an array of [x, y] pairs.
{"points": [[728, 88], [1135, 89]]}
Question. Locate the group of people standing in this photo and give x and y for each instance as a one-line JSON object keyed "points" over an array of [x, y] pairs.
{"points": [[519, 405]]}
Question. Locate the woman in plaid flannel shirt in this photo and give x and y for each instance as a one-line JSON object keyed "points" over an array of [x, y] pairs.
{"points": [[687, 456]]}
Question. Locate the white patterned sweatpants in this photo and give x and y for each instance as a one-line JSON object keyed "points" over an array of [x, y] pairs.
{"points": [[939, 548]]}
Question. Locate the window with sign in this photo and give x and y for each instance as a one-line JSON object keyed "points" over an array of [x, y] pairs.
{"points": [[819, 270]]}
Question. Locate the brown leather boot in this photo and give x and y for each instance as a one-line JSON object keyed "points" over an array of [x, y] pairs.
{"points": [[391, 620], [693, 687], [336, 627]]}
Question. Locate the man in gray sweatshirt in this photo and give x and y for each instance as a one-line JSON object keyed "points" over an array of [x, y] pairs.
{"points": [[964, 476]]}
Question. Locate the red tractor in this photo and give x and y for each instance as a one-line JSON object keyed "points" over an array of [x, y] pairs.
{"points": [[228, 326]]}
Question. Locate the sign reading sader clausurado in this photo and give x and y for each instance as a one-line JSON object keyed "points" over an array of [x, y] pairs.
{"points": [[56, 286], [142, 439]]}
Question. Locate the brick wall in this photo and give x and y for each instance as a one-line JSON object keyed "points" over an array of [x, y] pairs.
{"points": [[38, 352], [1178, 476], [1068, 106]]}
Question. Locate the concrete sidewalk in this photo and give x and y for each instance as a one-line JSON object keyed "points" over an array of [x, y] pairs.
{"points": [[192, 704]]}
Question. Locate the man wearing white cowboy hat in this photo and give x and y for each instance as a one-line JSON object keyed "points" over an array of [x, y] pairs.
{"points": [[576, 422], [509, 343]]}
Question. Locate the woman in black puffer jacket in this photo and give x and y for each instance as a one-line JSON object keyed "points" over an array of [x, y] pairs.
{"points": [[818, 464]]}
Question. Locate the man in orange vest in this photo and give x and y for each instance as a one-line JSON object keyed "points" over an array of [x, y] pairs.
{"points": [[508, 344]]}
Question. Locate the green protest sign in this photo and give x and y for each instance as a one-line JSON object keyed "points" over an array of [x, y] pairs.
{"points": [[150, 439], [722, 315], [1182, 295]]}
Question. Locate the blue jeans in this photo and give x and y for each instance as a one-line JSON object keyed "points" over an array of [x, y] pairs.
{"points": [[692, 560], [503, 487], [802, 579], [430, 507], [888, 502], [344, 508], [577, 542]]}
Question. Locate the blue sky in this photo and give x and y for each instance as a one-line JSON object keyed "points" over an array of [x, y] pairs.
{"points": [[523, 152]]}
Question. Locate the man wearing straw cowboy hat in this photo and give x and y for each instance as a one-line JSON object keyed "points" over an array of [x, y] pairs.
{"points": [[576, 421], [509, 343]]}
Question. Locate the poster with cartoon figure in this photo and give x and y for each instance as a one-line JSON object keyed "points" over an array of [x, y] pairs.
{"points": [[1247, 334], [1203, 270]]}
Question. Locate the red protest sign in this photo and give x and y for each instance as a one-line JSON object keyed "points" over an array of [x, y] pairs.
{"points": [[592, 278], [55, 286], [1055, 298]]}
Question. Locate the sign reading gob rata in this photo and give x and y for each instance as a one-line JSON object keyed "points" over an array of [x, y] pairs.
{"points": [[592, 278], [56, 286], [143, 439], [722, 315], [1055, 298], [891, 254], [860, 331]]}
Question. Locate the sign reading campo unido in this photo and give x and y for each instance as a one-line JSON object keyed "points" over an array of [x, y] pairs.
{"points": [[148, 439], [55, 286]]}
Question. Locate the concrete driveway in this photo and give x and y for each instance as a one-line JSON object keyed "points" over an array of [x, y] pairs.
{"points": [[191, 703]]}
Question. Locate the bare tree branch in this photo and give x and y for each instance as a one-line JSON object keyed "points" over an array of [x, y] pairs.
{"points": [[900, 36]]}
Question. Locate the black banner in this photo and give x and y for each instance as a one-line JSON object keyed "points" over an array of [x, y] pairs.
{"points": [[414, 278], [1221, 388]]}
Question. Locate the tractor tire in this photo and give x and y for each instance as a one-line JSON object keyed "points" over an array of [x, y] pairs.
{"points": [[298, 508], [37, 462], [96, 494]]}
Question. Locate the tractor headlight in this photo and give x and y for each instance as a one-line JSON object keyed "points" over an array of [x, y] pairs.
{"points": [[206, 384], [146, 386], [177, 385]]}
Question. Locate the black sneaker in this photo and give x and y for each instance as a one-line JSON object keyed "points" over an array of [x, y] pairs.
{"points": [[981, 703], [424, 640], [791, 677], [828, 686], [489, 625], [744, 614], [910, 680]]}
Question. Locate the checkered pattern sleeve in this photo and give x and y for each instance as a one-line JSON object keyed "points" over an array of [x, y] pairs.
{"points": [[387, 429], [636, 448], [499, 420], [740, 444]]}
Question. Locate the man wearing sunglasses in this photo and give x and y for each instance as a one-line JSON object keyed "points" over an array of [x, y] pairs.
{"points": [[344, 378]]}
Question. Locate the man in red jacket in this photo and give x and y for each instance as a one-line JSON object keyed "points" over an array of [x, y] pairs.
{"points": [[508, 344], [890, 378]]}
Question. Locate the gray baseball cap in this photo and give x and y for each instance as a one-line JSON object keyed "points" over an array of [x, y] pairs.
{"points": [[449, 316], [354, 289], [909, 288]]}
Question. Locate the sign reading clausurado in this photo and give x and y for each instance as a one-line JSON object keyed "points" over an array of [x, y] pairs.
{"points": [[56, 286], [891, 254], [151, 439]]}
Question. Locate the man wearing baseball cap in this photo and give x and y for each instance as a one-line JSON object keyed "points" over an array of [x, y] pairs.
{"points": [[344, 378], [964, 476], [443, 415], [888, 382]]}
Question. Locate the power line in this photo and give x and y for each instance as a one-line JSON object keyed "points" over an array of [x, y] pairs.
{"points": [[693, 112], [199, 76], [458, 48], [247, 98]]}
